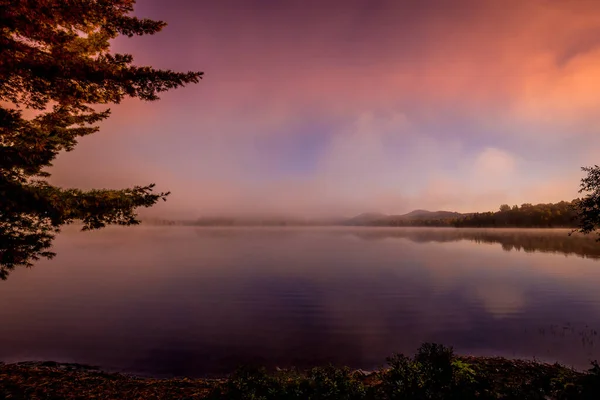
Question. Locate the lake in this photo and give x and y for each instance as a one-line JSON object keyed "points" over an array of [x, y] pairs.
{"points": [[166, 301]]}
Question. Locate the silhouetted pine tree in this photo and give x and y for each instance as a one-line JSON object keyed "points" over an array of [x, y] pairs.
{"points": [[55, 60]]}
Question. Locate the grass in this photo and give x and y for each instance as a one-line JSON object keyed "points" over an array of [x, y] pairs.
{"points": [[433, 373]]}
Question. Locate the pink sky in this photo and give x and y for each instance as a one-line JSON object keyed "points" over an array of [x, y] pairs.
{"points": [[335, 107]]}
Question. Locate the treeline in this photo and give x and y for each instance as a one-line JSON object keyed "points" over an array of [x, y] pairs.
{"points": [[557, 215], [551, 215], [243, 222], [403, 222]]}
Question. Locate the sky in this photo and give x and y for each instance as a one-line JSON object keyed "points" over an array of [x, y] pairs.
{"points": [[342, 107]]}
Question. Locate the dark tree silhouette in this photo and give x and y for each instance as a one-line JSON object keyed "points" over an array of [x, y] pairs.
{"points": [[55, 60], [588, 208], [551, 215]]}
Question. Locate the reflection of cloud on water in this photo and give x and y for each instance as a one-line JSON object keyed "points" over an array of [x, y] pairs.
{"points": [[291, 296], [501, 300], [479, 274], [499, 279]]}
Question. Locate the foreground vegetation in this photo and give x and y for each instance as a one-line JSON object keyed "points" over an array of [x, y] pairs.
{"points": [[433, 373]]}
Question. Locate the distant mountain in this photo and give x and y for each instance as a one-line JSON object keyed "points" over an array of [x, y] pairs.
{"points": [[413, 216], [365, 219], [424, 214]]}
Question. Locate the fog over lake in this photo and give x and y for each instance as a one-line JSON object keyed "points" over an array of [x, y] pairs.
{"points": [[200, 301]]}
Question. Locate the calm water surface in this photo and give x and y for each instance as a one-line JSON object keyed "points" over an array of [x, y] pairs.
{"points": [[200, 301]]}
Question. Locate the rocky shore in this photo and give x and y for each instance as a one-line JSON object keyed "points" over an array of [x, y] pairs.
{"points": [[433, 373]]}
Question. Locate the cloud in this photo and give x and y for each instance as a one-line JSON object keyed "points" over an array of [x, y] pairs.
{"points": [[358, 106], [501, 301], [494, 165]]}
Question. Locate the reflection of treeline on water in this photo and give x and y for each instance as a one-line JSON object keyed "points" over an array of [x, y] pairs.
{"points": [[527, 241]]}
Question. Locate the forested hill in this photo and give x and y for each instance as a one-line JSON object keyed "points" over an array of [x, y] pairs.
{"points": [[525, 216], [556, 215], [413, 218]]}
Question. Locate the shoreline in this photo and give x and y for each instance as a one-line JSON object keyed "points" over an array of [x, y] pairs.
{"points": [[210, 376], [493, 376]]}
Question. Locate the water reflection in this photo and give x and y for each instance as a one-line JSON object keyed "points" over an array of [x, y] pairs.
{"points": [[188, 301], [528, 240]]}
